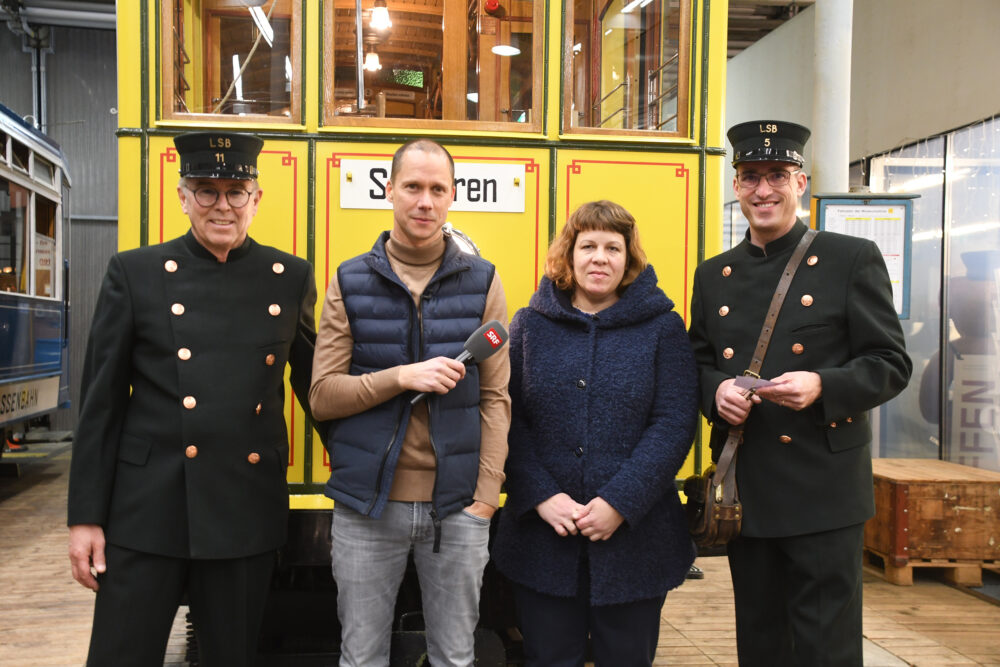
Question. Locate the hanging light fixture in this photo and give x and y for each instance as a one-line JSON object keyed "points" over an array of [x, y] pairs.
{"points": [[372, 63], [380, 16], [505, 50]]}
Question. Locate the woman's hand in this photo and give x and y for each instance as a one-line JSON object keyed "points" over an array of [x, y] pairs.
{"points": [[559, 511], [598, 520]]}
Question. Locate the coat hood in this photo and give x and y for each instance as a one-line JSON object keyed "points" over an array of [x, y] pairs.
{"points": [[639, 302]]}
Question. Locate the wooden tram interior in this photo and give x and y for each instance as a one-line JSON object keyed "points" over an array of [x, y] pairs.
{"points": [[433, 60]]}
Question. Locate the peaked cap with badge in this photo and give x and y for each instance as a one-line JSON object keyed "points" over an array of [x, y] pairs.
{"points": [[218, 155], [768, 141]]}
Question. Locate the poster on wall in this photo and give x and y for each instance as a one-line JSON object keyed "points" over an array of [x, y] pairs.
{"points": [[885, 219]]}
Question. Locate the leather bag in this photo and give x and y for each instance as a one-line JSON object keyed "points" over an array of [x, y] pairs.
{"points": [[715, 515]]}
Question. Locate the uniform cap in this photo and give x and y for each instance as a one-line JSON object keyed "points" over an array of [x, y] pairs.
{"points": [[768, 141], [218, 155]]}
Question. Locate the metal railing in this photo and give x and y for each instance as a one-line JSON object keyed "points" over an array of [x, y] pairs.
{"points": [[654, 98], [623, 109]]}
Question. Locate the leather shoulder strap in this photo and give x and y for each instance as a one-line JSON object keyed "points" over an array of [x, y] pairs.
{"points": [[736, 432]]}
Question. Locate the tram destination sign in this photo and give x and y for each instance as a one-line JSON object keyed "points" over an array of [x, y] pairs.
{"points": [[20, 400], [480, 187]]}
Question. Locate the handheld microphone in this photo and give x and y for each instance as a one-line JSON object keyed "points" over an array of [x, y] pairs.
{"points": [[483, 342]]}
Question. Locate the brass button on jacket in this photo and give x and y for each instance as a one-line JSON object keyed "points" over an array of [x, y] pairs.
{"points": [[177, 309], [723, 311], [812, 261], [807, 300], [191, 451], [257, 410], [833, 424], [170, 266], [253, 458], [190, 402], [728, 353], [274, 309], [183, 354], [727, 271], [798, 348], [278, 268], [785, 439], [269, 360]]}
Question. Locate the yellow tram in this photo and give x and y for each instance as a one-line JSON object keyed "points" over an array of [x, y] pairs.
{"points": [[544, 105]]}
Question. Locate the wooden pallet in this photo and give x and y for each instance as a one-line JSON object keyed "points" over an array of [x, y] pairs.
{"points": [[964, 572]]}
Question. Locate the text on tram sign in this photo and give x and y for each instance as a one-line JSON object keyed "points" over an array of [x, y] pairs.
{"points": [[483, 187]]}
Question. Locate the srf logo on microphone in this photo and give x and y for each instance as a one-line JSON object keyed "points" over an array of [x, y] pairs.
{"points": [[494, 339]]}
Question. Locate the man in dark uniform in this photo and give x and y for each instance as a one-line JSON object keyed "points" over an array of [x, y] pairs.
{"points": [[177, 482], [804, 467]]}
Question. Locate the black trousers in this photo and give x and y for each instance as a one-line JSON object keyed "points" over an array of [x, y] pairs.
{"points": [[139, 594], [798, 599], [555, 630]]}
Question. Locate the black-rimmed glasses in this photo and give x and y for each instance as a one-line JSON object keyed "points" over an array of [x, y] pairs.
{"points": [[776, 179], [206, 196]]}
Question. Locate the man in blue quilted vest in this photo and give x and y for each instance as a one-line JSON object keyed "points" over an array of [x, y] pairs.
{"points": [[404, 475]]}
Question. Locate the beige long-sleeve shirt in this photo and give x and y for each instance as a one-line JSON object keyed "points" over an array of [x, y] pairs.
{"points": [[336, 394]]}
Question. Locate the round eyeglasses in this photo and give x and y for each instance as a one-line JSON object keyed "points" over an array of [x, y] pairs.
{"points": [[776, 179], [206, 196]]}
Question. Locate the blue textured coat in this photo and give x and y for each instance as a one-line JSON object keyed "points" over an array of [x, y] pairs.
{"points": [[605, 406]]}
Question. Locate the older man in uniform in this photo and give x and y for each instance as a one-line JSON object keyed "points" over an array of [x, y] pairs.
{"points": [[177, 483], [804, 466]]}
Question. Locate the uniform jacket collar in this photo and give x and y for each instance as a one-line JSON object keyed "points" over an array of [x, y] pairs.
{"points": [[198, 250], [776, 246], [642, 300]]}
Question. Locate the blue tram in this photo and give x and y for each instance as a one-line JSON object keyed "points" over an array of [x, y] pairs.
{"points": [[34, 273]]}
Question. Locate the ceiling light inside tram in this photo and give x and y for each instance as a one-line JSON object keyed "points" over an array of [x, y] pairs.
{"points": [[380, 16], [505, 50], [263, 25], [372, 63]]}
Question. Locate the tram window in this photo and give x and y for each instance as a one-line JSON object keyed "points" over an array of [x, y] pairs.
{"points": [[45, 246], [13, 219], [233, 58], [19, 155], [43, 170], [464, 64], [628, 66]]}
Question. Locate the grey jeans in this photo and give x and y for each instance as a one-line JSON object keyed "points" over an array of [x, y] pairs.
{"points": [[369, 560]]}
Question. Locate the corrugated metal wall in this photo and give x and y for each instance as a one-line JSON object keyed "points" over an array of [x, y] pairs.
{"points": [[82, 101], [80, 115], [92, 244], [15, 73]]}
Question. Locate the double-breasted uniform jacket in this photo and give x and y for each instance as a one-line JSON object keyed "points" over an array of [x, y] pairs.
{"points": [[807, 471], [181, 446]]}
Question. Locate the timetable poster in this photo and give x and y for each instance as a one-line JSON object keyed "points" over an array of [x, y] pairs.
{"points": [[883, 224]]}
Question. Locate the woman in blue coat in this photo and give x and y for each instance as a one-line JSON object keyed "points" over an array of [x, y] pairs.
{"points": [[604, 403]]}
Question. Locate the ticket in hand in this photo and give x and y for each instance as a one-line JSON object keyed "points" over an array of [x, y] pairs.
{"points": [[750, 382]]}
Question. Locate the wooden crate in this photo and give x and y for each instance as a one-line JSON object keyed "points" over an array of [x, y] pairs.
{"points": [[931, 513]]}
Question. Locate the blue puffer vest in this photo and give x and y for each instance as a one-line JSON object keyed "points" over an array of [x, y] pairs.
{"points": [[387, 331]]}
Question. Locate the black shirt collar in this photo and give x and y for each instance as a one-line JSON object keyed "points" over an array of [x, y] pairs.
{"points": [[776, 246], [198, 250]]}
